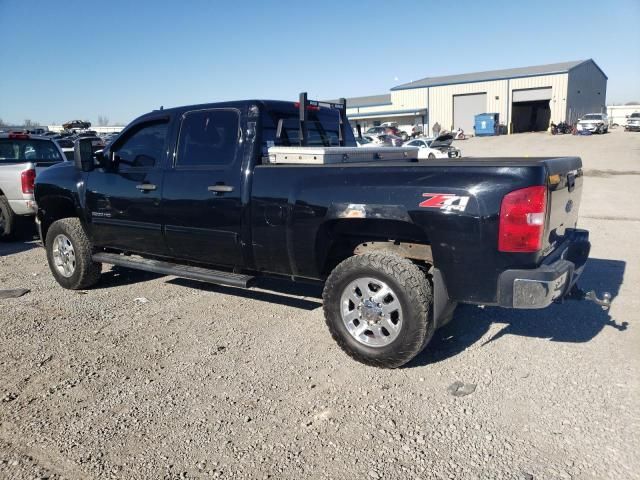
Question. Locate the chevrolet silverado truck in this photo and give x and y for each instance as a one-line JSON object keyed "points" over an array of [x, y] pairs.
{"points": [[22, 156], [227, 192]]}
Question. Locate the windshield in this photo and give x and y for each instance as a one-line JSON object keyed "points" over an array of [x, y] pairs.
{"points": [[592, 116], [28, 150], [635, 115]]}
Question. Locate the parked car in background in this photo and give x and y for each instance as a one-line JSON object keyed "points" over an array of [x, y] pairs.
{"points": [[87, 134], [109, 137], [393, 129], [66, 145], [633, 123], [432, 148], [388, 129], [22, 157], [390, 140], [594, 123], [366, 141], [375, 131], [76, 124]]}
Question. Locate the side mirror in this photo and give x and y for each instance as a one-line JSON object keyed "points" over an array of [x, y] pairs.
{"points": [[83, 154]]}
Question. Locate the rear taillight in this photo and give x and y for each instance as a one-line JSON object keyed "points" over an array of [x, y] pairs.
{"points": [[28, 180], [522, 216]]}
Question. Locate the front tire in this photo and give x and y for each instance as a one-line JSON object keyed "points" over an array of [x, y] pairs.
{"points": [[378, 309], [69, 254]]}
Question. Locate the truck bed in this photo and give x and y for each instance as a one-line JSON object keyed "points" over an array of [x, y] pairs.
{"points": [[301, 199]]}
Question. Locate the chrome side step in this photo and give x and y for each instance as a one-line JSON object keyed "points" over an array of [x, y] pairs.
{"points": [[184, 271]]}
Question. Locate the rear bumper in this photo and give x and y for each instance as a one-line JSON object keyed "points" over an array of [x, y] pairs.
{"points": [[23, 206], [551, 281]]}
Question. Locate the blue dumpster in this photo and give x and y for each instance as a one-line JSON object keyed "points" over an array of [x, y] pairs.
{"points": [[487, 124]]}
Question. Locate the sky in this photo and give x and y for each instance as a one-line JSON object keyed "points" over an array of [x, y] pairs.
{"points": [[76, 59]]}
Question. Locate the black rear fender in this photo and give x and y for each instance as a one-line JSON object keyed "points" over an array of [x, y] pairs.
{"points": [[338, 239]]}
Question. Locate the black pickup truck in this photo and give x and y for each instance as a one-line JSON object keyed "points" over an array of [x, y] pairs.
{"points": [[190, 192]]}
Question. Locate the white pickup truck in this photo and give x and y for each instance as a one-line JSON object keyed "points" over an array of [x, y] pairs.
{"points": [[22, 157], [633, 123]]}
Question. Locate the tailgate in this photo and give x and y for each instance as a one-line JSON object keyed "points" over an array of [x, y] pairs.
{"points": [[564, 180]]}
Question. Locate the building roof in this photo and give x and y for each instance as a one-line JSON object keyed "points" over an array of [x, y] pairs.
{"points": [[368, 101], [534, 71]]}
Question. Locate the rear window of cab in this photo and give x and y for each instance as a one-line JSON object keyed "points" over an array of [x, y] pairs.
{"points": [[28, 150]]}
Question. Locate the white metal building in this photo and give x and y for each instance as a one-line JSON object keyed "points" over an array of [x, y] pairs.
{"points": [[527, 99]]}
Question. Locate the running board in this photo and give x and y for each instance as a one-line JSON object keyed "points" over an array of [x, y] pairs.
{"points": [[184, 271]]}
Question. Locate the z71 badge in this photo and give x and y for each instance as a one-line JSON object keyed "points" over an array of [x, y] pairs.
{"points": [[445, 201]]}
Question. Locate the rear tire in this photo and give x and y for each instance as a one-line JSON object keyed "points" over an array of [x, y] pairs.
{"points": [[358, 315], [69, 254], [7, 219], [431, 156]]}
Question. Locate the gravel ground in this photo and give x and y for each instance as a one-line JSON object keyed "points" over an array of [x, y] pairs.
{"points": [[157, 377]]}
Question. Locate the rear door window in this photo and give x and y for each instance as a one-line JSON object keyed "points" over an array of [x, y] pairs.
{"points": [[208, 138]]}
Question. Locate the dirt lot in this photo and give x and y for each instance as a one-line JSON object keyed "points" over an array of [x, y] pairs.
{"points": [[156, 377]]}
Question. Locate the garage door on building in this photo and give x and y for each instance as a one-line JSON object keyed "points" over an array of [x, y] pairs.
{"points": [[465, 108], [530, 111]]}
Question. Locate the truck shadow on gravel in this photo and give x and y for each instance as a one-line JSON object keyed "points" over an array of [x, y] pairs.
{"points": [[120, 276], [10, 248], [571, 321], [281, 292], [25, 238]]}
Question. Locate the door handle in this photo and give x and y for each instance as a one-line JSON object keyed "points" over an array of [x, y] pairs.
{"points": [[146, 187], [220, 188]]}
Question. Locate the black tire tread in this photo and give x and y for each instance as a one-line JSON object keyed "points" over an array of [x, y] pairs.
{"points": [[90, 271], [10, 219], [416, 287]]}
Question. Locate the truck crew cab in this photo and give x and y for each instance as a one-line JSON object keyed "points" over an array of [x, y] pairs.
{"points": [[229, 191]]}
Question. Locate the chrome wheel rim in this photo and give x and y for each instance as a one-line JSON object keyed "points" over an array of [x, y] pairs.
{"points": [[64, 256], [371, 312]]}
